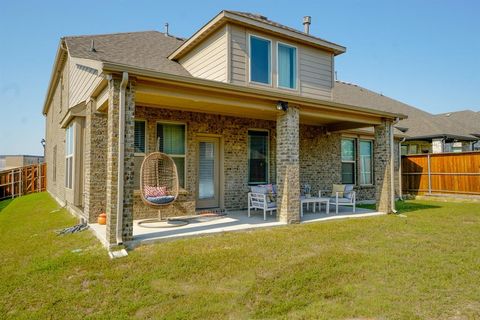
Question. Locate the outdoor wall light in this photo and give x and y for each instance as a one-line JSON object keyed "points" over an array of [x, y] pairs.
{"points": [[282, 106]]}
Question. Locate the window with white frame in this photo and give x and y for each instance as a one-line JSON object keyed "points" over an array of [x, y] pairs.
{"points": [[171, 140], [348, 161], [69, 151], [366, 162], [260, 60], [258, 157], [287, 66]]}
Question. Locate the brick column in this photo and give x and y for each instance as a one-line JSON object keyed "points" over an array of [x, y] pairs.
{"points": [[382, 163], [95, 162], [288, 166], [112, 160]]}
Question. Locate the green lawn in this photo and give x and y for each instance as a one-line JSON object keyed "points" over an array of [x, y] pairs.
{"points": [[425, 265]]}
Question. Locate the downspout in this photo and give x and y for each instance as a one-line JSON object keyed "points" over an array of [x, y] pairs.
{"points": [[400, 191], [392, 167], [121, 155]]}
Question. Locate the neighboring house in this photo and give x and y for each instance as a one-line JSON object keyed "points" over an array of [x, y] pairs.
{"points": [[424, 132], [15, 161], [243, 101]]}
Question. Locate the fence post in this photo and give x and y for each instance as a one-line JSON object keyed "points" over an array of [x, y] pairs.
{"points": [[429, 175], [12, 191], [39, 178]]}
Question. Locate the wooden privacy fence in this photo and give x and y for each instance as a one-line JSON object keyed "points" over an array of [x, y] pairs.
{"points": [[23, 180], [457, 173]]}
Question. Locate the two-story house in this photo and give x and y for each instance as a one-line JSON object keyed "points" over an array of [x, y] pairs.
{"points": [[243, 101]]}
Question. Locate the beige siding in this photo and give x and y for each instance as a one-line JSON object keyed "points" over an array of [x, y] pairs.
{"points": [[83, 80], [315, 72], [314, 68], [239, 53], [55, 137], [209, 59]]}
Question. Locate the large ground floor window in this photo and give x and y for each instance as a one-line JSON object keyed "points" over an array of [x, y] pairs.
{"points": [[351, 164]]}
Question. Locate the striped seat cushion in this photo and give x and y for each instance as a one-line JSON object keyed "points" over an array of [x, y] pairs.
{"points": [[151, 191]]}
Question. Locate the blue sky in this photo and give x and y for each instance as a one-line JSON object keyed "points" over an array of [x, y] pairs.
{"points": [[422, 52]]}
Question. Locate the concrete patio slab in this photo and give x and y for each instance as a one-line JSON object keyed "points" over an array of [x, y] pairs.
{"points": [[233, 221]]}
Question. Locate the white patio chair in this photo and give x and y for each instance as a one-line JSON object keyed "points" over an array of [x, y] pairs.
{"points": [[259, 201], [347, 199]]}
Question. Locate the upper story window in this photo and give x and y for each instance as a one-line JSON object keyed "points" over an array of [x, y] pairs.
{"points": [[287, 66], [260, 60]]}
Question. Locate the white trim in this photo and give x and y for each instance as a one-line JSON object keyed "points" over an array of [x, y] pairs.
{"points": [[268, 156], [297, 82], [270, 79]]}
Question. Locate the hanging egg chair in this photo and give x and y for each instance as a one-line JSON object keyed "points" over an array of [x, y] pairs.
{"points": [[159, 187], [158, 180]]}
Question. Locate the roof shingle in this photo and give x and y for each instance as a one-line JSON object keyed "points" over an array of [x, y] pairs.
{"points": [[146, 50]]}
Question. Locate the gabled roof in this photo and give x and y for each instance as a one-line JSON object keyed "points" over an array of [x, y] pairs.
{"points": [[254, 21], [467, 120], [145, 49], [419, 123]]}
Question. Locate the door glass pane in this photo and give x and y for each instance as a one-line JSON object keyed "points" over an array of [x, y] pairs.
{"points": [[260, 60], [286, 66], [206, 188]]}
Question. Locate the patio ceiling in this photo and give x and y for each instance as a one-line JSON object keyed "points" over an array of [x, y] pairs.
{"points": [[207, 100]]}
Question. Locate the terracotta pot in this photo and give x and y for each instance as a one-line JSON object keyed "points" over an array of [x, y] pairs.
{"points": [[102, 218]]}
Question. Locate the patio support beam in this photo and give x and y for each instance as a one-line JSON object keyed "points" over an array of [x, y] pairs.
{"points": [[112, 160], [288, 166], [383, 159]]}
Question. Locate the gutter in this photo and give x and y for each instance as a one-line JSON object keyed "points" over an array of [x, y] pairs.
{"points": [[400, 191], [392, 166], [121, 156]]}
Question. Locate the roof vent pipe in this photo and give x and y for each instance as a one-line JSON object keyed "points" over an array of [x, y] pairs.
{"points": [[307, 20], [166, 29], [92, 46]]}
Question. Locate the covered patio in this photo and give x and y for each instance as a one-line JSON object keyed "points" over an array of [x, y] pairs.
{"points": [[231, 222], [303, 146]]}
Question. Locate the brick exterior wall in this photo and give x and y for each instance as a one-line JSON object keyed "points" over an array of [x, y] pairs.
{"points": [[288, 166], [112, 161], [382, 161], [319, 157], [95, 162], [234, 133]]}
